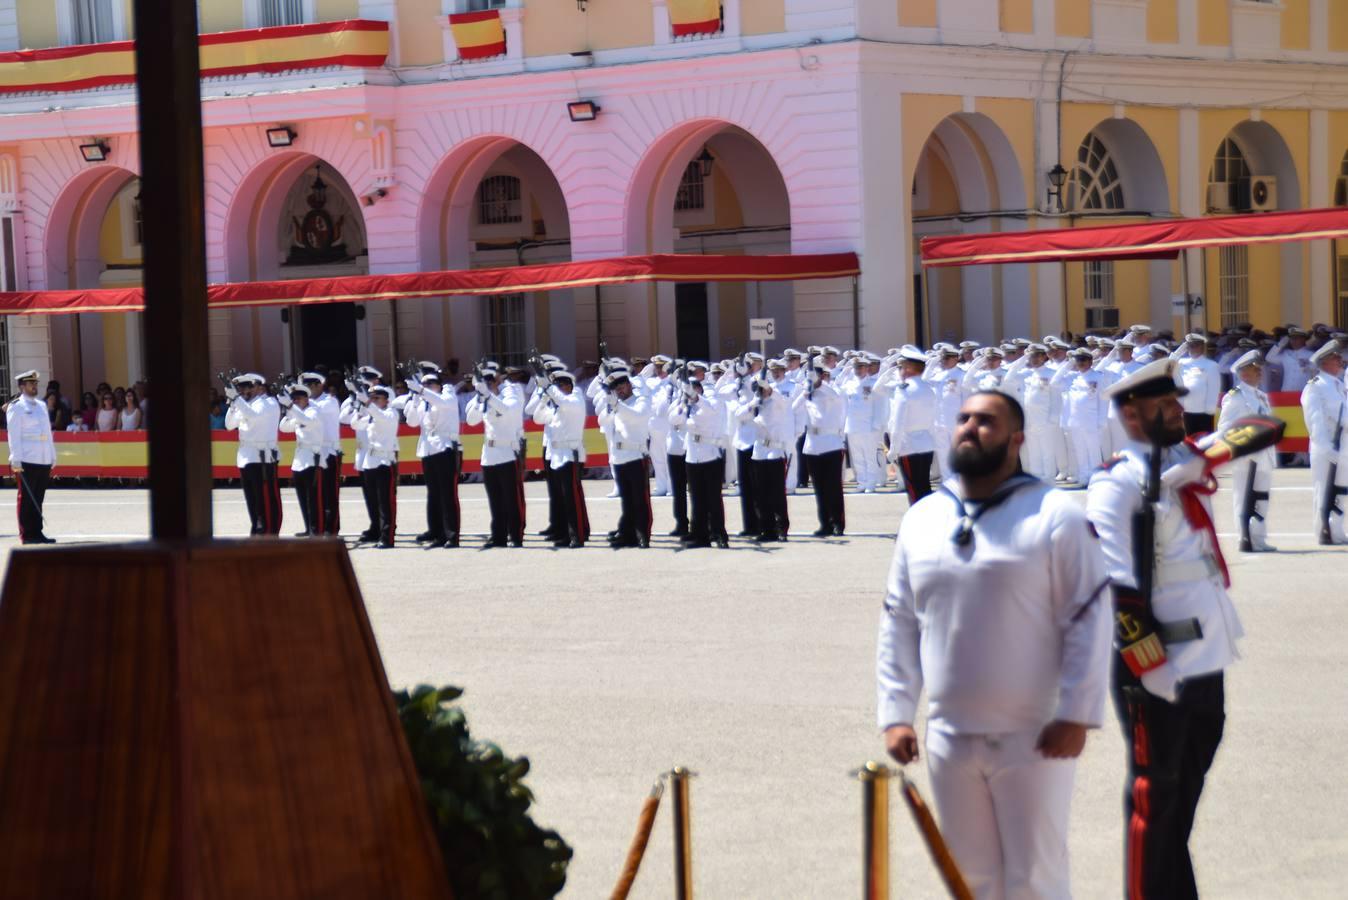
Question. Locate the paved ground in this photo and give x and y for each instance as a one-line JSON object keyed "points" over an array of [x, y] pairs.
{"points": [[754, 667]]}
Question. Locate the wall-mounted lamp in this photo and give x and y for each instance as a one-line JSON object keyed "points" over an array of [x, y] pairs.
{"points": [[281, 136], [95, 151], [581, 4], [704, 161], [374, 196], [582, 110], [1057, 177]]}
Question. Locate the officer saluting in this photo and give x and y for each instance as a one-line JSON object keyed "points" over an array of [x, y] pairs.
{"points": [[1176, 628], [31, 456]]}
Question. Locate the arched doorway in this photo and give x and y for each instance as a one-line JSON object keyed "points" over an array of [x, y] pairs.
{"points": [[92, 240], [1253, 171], [1341, 252], [968, 180], [295, 217], [1117, 176], [494, 202], [710, 187]]}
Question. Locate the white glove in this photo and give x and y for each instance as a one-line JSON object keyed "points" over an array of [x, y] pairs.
{"points": [[362, 398], [284, 399], [350, 386], [893, 455], [231, 393], [413, 385], [1162, 681], [741, 368], [480, 387]]}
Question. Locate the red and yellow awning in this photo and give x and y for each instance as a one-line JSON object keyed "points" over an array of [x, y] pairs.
{"points": [[694, 16], [478, 35], [357, 43], [457, 283]]}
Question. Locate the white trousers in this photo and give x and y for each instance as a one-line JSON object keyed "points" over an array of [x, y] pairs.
{"points": [[1263, 479], [660, 461], [792, 470], [1086, 452], [1062, 451], [864, 449], [1037, 454], [732, 465], [1004, 811], [940, 460], [1321, 457]]}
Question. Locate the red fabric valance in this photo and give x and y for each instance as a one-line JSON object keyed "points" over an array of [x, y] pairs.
{"points": [[468, 282], [1147, 240]]}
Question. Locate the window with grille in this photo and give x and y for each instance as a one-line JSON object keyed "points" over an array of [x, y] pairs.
{"points": [[91, 21], [1230, 168], [1095, 180], [507, 331], [280, 12], [481, 5], [1233, 284], [692, 189], [498, 200], [1341, 307]]}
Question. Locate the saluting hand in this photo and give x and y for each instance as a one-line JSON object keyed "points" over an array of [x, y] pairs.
{"points": [[1061, 740], [901, 743]]}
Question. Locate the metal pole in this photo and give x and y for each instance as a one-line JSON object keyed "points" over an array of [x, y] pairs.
{"points": [[168, 85], [925, 300], [1184, 286], [598, 319], [683, 835], [875, 824], [856, 312]]}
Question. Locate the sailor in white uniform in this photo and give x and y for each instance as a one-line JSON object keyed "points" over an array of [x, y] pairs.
{"points": [[997, 604], [1203, 378], [302, 419], [379, 420], [257, 417], [31, 456], [1251, 479], [1324, 404], [1084, 414], [911, 424]]}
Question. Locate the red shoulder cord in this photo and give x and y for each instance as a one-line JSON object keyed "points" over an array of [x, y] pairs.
{"points": [[1196, 513]]}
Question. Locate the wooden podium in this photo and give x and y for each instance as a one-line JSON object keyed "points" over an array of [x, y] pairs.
{"points": [[205, 720]]}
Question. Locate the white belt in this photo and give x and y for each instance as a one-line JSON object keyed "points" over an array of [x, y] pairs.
{"points": [[774, 445], [817, 432], [493, 443], [34, 437], [1187, 572], [564, 445], [628, 445]]}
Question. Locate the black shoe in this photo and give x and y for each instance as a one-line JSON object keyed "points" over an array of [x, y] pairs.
{"points": [[451, 543], [575, 544], [618, 543], [435, 543], [1246, 546], [696, 545], [643, 541], [367, 536], [547, 533], [837, 531], [385, 545], [679, 532], [766, 538], [517, 544], [823, 532], [613, 535], [747, 533], [424, 537], [490, 543], [41, 539], [304, 534], [723, 543]]}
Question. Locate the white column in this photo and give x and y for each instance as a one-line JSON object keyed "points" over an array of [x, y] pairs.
{"points": [[1188, 23], [1048, 276], [1320, 26], [1321, 281], [886, 242], [1045, 22], [663, 32], [1193, 185]]}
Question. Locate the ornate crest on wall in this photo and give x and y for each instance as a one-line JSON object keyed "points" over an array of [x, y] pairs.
{"points": [[317, 237]]}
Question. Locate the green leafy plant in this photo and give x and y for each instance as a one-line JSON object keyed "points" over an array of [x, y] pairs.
{"points": [[479, 805]]}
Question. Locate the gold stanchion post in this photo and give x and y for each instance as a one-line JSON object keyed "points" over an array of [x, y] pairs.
{"points": [[874, 779], [683, 834]]}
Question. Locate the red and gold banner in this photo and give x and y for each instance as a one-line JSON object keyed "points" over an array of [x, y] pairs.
{"points": [[478, 35], [125, 454], [358, 43], [1147, 240], [1287, 406], [457, 283], [694, 16]]}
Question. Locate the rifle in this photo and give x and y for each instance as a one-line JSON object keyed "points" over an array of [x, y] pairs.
{"points": [[1329, 504], [1144, 526], [1247, 510]]}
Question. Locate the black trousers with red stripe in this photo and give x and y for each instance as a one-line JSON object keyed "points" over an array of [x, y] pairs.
{"points": [[770, 496], [306, 492], [384, 485], [916, 469], [707, 522], [442, 494], [748, 492], [32, 485], [262, 497], [634, 491], [1171, 746], [573, 523], [826, 471], [329, 501], [504, 492]]}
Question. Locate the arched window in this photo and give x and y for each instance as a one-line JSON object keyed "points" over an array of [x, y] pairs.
{"points": [[498, 200], [1230, 172], [1095, 180]]}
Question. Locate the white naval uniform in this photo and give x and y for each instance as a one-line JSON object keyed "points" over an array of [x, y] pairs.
{"points": [[658, 428], [863, 438], [330, 414], [563, 422], [1007, 634], [307, 426], [1242, 401], [1035, 389], [947, 383], [704, 422], [351, 409], [502, 419], [1084, 417], [29, 432], [912, 422], [1324, 403], [1296, 365], [1203, 378], [257, 421]]}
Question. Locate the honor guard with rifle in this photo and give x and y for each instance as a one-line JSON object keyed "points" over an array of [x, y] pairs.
{"points": [[358, 385], [825, 413], [31, 456], [543, 367], [627, 412], [1324, 402], [656, 377], [1176, 628], [379, 421], [257, 417], [499, 407], [773, 421], [668, 395], [736, 390], [997, 606], [561, 412], [329, 476], [302, 419], [1251, 480], [435, 410], [700, 416]]}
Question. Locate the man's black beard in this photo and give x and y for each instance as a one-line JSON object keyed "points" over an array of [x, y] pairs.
{"points": [[972, 461], [1166, 436]]}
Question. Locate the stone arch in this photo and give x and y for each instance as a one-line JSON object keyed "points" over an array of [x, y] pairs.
{"points": [[1145, 186]]}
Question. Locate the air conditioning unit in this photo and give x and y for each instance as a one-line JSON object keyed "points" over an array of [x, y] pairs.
{"points": [[1102, 317], [1221, 196], [1263, 193]]}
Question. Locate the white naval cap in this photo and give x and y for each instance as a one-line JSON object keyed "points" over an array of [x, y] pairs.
{"points": [[298, 388], [994, 351], [382, 389], [776, 363], [792, 353], [312, 376], [563, 375], [428, 377], [660, 359], [1330, 349], [249, 378], [617, 376], [30, 375], [1139, 329], [969, 345], [698, 364], [1038, 348], [1294, 331], [369, 373], [1152, 380], [753, 356], [1126, 342], [829, 350], [819, 363], [1253, 358], [913, 355], [1194, 337], [1081, 353], [427, 366]]}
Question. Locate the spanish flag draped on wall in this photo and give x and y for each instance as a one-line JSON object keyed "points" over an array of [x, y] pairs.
{"points": [[695, 16], [478, 35]]}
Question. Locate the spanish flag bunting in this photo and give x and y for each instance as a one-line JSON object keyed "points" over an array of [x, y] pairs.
{"points": [[478, 35], [695, 16]]}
